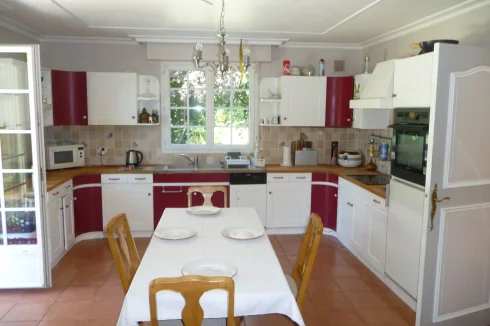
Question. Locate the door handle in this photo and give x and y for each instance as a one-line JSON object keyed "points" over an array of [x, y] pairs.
{"points": [[434, 201]]}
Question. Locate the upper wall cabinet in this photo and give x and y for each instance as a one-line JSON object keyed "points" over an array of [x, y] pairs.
{"points": [[69, 96], [413, 82], [340, 90], [112, 98], [303, 101]]}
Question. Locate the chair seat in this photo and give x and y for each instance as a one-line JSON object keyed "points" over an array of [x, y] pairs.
{"points": [[205, 322], [292, 285]]}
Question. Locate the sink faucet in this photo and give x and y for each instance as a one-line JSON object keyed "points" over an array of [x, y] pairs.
{"points": [[194, 162]]}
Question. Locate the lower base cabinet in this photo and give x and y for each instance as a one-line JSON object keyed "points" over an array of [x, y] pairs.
{"points": [[87, 207], [250, 196], [136, 201], [56, 234], [362, 223]]}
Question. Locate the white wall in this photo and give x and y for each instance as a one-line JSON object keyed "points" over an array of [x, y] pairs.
{"points": [[470, 28], [9, 37]]}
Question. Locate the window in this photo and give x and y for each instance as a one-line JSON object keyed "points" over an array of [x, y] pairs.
{"points": [[207, 110]]}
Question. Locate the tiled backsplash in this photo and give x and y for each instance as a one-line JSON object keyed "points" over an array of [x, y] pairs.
{"points": [[147, 139]]}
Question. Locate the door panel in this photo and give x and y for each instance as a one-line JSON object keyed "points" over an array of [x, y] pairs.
{"points": [[412, 82], [250, 196], [454, 279], [56, 232], [344, 218], [376, 246], [87, 204], [359, 233], [69, 227], [288, 205], [69, 91]]}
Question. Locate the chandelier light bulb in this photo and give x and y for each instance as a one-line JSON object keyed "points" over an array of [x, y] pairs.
{"points": [[246, 51], [199, 46]]}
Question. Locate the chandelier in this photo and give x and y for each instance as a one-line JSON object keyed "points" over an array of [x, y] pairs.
{"points": [[223, 63]]}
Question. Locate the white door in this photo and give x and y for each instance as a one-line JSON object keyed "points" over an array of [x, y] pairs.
{"points": [[23, 258], [344, 217], [288, 205], [69, 223], [303, 101], [454, 281], [376, 242], [112, 98], [413, 81], [250, 196], [136, 201], [56, 230], [359, 230]]}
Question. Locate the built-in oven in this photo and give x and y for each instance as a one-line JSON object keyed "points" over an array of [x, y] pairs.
{"points": [[64, 154], [410, 140]]}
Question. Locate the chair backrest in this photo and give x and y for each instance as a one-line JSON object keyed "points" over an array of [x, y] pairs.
{"points": [[306, 258], [192, 288], [123, 249], [207, 192]]}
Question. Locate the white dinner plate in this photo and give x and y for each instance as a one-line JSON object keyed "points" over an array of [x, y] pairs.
{"points": [[203, 210], [209, 268], [175, 233], [242, 233]]}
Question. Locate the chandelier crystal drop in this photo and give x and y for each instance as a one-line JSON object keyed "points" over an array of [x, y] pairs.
{"points": [[223, 63]]}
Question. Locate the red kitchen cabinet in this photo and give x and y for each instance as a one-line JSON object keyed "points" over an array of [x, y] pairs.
{"points": [[176, 196], [324, 199], [87, 205], [340, 90], [69, 90]]}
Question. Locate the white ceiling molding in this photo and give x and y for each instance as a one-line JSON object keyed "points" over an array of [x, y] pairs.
{"points": [[428, 21], [204, 40], [304, 45], [357, 13], [96, 40], [18, 28]]}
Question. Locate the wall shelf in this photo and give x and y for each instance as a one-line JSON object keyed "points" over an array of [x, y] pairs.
{"points": [[270, 100]]}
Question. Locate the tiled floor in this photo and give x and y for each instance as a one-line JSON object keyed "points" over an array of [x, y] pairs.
{"points": [[86, 291]]}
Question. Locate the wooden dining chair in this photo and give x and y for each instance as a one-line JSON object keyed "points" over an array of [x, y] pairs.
{"points": [[306, 259], [123, 249], [192, 288], [207, 192]]}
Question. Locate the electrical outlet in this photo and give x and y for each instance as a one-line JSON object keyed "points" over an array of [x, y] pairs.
{"points": [[101, 151], [339, 65]]}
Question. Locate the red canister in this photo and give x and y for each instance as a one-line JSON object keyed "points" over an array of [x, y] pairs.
{"points": [[285, 68]]}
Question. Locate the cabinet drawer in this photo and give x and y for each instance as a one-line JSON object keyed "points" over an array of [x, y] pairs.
{"points": [[300, 177], [140, 178], [377, 202], [277, 177], [60, 191], [114, 178]]}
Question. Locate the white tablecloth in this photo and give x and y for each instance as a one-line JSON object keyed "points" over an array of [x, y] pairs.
{"points": [[260, 284]]}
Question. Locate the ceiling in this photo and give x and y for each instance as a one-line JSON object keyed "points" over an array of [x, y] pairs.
{"points": [[343, 22]]}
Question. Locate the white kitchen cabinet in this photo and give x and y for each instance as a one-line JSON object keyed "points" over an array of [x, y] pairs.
{"points": [[68, 221], [250, 196], [303, 101], [112, 98], [135, 200], [288, 203], [56, 232], [413, 82], [362, 223]]}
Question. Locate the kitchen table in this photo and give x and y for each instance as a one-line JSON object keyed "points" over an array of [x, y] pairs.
{"points": [[260, 285]]}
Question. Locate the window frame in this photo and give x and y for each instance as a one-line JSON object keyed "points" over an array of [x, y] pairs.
{"points": [[209, 147]]}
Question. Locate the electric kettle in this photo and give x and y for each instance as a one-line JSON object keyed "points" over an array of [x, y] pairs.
{"points": [[134, 158]]}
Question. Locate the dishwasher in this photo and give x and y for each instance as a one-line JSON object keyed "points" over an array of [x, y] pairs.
{"points": [[250, 190]]}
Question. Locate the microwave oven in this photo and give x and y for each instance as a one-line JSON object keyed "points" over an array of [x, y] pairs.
{"points": [[64, 155]]}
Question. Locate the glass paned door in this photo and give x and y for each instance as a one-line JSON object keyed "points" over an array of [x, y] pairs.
{"points": [[21, 243]]}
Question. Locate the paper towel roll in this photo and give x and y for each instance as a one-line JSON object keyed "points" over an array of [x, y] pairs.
{"points": [[286, 156]]}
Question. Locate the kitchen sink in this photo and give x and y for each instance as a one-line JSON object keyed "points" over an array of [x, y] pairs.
{"points": [[138, 168], [187, 167]]}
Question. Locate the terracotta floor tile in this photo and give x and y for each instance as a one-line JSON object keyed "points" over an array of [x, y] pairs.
{"points": [[269, 320], [5, 307], [407, 314], [381, 316], [27, 312], [41, 295], [110, 291], [104, 323], [104, 309], [79, 293], [19, 323], [353, 284], [90, 279], [11, 295], [342, 318], [366, 299], [329, 301], [325, 285], [71, 310], [60, 323]]}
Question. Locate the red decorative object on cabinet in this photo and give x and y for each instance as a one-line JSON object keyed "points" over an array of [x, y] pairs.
{"points": [[324, 199], [340, 90], [69, 89], [176, 196], [87, 205]]}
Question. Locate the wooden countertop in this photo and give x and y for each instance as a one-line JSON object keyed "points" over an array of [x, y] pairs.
{"points": [[56, 178]]}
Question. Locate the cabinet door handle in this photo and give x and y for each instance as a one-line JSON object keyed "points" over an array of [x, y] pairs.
{"points": [[114, 179], [74, 198], [149, 194], [66, 206], [278, 177], [270, 192], [85, 117], [335, 195], [300, 177], [56, 193], [376, 201], [139, 178], [171, 191], [67, 186], [348, 119], [393, 96]]}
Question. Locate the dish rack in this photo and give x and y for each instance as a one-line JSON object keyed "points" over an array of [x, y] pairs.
{"points": [[237, 163]]}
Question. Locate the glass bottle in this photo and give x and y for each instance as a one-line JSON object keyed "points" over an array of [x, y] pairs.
{"points": [[366, 65]]}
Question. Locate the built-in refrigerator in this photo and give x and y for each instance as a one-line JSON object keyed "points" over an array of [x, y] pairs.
{"points": [[23, 245]]}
